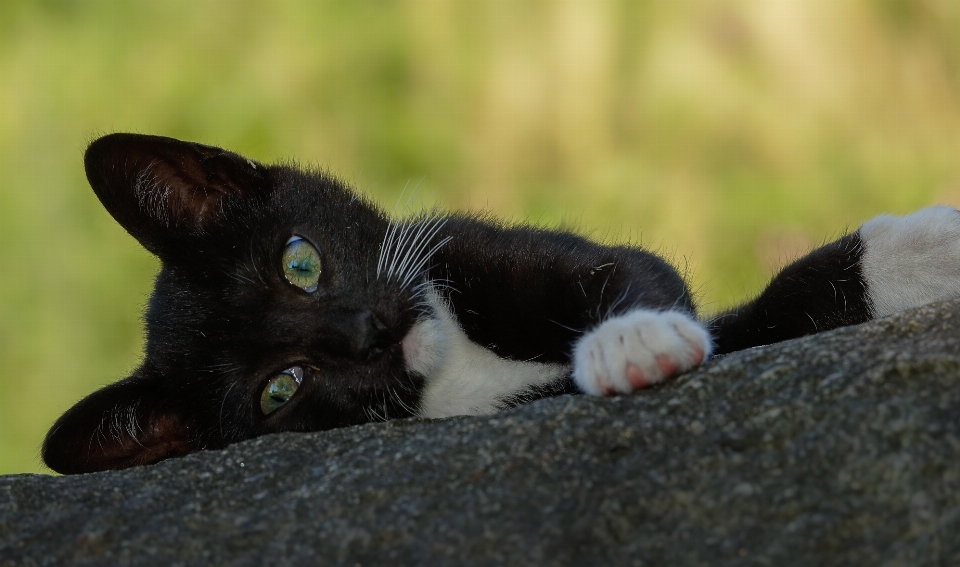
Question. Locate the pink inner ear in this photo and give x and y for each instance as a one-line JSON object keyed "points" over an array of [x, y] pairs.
{"points": [[189, 191], [174, 200], [164, 437]]}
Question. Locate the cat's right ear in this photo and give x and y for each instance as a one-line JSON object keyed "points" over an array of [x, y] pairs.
{"points": [[163, 190]]}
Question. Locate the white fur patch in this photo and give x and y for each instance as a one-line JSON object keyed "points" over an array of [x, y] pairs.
{"points": [[637, 349], [913, 260], [462, 377]]}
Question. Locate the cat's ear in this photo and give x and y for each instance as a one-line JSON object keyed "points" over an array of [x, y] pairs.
{"points": [[161, 189], [121, 425]]}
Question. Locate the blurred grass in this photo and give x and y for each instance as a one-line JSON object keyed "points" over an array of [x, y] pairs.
{"points": [[729, 135]]}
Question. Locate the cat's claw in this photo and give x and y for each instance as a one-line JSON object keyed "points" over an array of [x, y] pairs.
{"points": [[638, 349]]}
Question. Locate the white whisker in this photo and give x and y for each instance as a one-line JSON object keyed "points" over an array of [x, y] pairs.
{"points": [[428, 229], [398, 250], [387, 244], [419, 227], [426, 259]]}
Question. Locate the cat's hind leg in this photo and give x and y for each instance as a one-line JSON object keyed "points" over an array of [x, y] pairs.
{"points": [[911, 261], [638, 349], [889, 264]]}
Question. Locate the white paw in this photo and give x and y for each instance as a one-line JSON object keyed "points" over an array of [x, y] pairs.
{"points": [[913, 260], [635, 350]]}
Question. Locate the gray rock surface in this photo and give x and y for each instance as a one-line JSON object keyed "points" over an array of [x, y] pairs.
{"points": [[838, 449]]}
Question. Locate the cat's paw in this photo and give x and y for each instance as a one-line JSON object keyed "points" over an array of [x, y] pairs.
{"points": [[638, 349], [913, 260]]}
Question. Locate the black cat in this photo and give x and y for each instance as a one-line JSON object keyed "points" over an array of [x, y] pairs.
{"points": [[287, 302]]}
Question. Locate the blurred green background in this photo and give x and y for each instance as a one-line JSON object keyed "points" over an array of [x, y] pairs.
{"points": [[728, 135]]}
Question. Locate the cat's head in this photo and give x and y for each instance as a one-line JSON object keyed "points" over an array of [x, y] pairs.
{"points": [[283, 304]]}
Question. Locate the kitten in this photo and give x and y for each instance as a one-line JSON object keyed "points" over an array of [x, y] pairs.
{"points": [[288, 302]]}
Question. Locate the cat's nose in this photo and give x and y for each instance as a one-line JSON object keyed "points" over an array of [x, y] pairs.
{"points": [[366, 334], [351, 334], [374, 335]]}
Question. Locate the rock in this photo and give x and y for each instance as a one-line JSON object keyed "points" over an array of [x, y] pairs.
{"points": [[837, 449]]}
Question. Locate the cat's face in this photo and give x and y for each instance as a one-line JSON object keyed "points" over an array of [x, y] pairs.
{"points": [[277, 307]]}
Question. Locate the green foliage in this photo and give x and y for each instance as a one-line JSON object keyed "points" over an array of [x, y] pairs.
{"points": [[733, 134]]}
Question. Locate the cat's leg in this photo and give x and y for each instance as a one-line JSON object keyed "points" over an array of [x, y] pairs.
{"points": [[638, 349], [618, 317]]}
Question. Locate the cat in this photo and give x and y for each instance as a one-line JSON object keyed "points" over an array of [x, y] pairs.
{"points": [[288, 302]]}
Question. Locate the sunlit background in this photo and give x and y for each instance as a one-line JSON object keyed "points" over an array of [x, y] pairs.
{"points": [[728, 135]]}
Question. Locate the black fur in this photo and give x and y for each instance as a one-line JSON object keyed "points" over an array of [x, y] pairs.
{"points": [[528, 293], [222, 319], [823, 290]]}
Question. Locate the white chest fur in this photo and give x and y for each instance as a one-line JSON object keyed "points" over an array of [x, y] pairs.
{"points": [[462, 377]]}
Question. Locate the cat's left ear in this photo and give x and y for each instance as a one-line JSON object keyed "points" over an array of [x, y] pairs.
{"points": [[163, 190], [125, 424]]}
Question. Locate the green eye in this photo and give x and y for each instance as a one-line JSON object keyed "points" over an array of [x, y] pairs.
{"points": [[280, 389], [301, 264]]}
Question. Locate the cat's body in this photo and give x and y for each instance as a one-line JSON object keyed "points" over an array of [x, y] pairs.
{"points": [[287, 302]]}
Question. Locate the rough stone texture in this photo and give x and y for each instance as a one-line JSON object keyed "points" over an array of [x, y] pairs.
{"points": [[839, 449]]}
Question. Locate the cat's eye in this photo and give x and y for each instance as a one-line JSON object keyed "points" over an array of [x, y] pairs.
{"points": [[301, 264], [280, 389]]}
